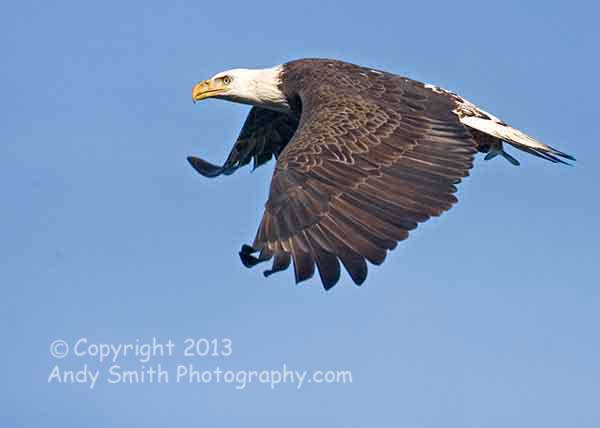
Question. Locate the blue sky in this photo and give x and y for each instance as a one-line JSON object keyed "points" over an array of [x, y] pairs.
{"points": [[487, 316]]}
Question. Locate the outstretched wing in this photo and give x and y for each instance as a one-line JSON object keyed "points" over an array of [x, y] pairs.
{"points": [[264, 134], [369, 161]]}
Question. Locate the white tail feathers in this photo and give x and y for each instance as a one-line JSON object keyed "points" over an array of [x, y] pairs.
{"points": [[495, 128]]}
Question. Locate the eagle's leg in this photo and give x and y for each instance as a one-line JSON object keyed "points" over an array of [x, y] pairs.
{"points": [[492, 146], [496, 149]]}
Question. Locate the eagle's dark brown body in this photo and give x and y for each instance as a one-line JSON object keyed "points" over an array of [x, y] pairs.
{"points": [[362, 158]]}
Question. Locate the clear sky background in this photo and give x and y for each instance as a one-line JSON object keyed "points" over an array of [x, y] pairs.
{"points": [[485, 317]]}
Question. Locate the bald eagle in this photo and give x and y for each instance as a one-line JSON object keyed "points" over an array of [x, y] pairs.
{"points": [[363, 156]]}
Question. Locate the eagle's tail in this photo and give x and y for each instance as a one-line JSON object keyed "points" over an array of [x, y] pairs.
{"points": [[501, 132]]}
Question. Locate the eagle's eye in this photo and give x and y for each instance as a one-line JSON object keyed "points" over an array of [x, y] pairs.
{"points": [[227, 80]]}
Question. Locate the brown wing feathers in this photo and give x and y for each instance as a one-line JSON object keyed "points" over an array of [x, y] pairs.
{"points": [[358, 175]]}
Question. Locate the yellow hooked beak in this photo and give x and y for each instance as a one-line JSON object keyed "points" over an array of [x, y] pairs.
{"points": [[208, 88]]}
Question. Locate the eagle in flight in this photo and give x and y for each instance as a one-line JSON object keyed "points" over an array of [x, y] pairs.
{"points": [[363, 157]]}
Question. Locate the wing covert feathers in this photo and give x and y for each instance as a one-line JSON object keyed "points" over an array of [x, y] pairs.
{"points": [[369, 161], [264, 135]]}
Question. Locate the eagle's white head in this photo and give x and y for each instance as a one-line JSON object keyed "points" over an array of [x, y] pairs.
{"points": [[260, 87]]}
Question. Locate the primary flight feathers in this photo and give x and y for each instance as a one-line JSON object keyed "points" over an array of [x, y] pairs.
{"points": [[363, 156]]}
